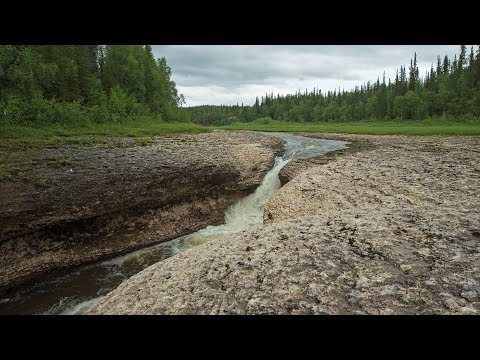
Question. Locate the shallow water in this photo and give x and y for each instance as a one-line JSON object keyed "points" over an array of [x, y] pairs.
{"points": [[74, 291]]}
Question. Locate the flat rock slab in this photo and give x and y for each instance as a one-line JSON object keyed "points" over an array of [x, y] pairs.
{"points": [[99, 180], [109, 201], [392, 230]]}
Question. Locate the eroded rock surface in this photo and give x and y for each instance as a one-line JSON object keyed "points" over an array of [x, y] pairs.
{"points": [[390, 230], [108, 201]]}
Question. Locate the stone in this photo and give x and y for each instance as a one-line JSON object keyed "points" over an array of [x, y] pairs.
{"points": [[390, 244], [120, 199]]}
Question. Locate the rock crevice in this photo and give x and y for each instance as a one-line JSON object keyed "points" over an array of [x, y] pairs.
{"points": [[112, 201], [389, 230]]}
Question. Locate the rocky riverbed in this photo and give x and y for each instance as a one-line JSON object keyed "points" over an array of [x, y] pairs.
{"points": [[391, 229], [95, 202]]}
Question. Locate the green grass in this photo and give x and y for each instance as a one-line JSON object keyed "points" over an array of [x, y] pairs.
{"points": [[143, 141], [58, 162], [427, 127], [19, 142], [41, 183], [88, 134]]}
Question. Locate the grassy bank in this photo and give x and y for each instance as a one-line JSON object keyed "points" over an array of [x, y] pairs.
{"points": [[471, 128], [56, 135], [18, 142]]}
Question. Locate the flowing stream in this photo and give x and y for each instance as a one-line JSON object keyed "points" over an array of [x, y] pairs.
{"points": [[74, 291]]}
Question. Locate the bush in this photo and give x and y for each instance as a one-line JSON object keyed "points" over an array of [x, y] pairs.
{"points": [[118, 107], [40, 111], [173, 114], [98, 113], [263, 121], [117, 104], [11, 109]]}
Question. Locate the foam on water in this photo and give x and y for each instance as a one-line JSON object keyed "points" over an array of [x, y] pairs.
{"points": [[76, 291]]}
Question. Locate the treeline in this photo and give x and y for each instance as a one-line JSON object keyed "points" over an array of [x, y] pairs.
{"points": [[76, 83], [450, 88]]}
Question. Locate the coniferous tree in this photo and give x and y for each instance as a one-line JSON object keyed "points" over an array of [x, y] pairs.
{"points": [[443, 90], [62, 83], [446, 65]]}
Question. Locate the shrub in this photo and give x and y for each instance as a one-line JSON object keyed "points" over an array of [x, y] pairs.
{"points": [[264, 120]]}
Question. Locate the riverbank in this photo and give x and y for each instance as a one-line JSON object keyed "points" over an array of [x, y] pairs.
{"points": [[427, 127], [84, 203], [392, 229], [20, 143]]}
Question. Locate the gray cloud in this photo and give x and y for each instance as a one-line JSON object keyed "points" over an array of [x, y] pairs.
{"points": [[230, 74]]}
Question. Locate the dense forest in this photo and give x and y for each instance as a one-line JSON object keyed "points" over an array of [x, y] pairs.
{"points": [[85, 83], [451, 88], [67, 84]]}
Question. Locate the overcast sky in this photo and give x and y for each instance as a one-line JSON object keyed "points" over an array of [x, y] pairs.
{"points": [[231, 74]]}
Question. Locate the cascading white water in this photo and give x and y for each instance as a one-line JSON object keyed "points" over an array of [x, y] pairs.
{"points": [[246, 213], [74, 292]]}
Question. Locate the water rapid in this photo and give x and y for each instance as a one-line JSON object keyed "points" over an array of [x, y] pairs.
{"points": [[75, 291]]}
